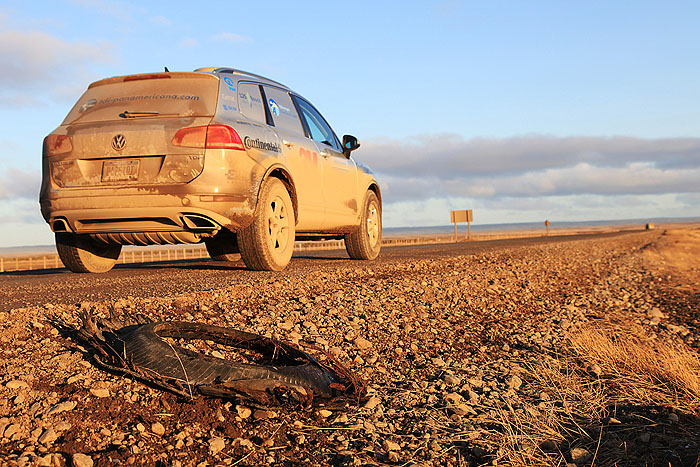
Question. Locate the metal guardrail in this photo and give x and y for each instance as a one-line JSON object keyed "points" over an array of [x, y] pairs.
{"points": [[151, 255]]}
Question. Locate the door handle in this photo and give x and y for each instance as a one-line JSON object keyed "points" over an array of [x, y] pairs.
{"points": [[325, 154], [289, 144]]}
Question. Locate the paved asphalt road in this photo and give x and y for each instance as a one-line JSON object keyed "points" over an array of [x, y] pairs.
{"points": [[28, 288]]}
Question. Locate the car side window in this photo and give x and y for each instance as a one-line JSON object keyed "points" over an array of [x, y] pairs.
{"points": [[318, 128], [284, 114], [250, 102]]}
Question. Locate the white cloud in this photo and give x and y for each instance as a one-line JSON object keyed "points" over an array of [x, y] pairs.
{"points": [[37, 65], [162, 20], [123, 11], [19, 184], [445, 155], [189, 43], [530, 177], [447, 165], [231, 37], [570, 208]]}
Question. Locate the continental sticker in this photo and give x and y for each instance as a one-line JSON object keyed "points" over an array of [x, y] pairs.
{"points": [[259, 144]]}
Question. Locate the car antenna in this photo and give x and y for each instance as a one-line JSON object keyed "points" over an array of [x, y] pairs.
{"points": [[166, 70]]}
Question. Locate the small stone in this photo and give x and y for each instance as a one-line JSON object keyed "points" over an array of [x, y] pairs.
{"points": [[655, 313], [11, 430], [390, 445], [243, 412], [100, 392], [473, 397], [548, 445], [451, 380], [140, 427], [594, 370], [245, 443], [48, 437], [673, 418], [82, 460], [462, 409], [580, 455], [372, 402], [216, 445], [158, 429], [439, 362], [362, 343], [514, 382], [62, 426], [300, 439], [325, 413], [393, 456], [262, 414], [66, 406], [16, 384], [454, 398]]}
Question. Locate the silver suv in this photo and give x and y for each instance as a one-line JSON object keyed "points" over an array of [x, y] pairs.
{"points": [[219, 156]]}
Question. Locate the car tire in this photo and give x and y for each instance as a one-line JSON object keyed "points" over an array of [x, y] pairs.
{"points": [[83, 254], [223, 247], [366, 242], [267, 244]]}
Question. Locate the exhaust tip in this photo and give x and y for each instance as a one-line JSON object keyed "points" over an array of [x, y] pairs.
{"points": [[197, 222], [60, 225]]}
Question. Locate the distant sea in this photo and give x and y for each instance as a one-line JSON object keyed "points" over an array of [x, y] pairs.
{"points": [[441, 230]]}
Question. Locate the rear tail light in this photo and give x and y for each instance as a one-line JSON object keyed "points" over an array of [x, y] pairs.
{"points": [[57, 144], [209, 137]]}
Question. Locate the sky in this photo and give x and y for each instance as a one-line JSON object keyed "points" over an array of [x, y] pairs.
{"points": [[519, 110]]}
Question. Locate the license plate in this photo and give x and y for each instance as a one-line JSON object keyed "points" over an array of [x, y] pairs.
{"points": [[120, 171]]}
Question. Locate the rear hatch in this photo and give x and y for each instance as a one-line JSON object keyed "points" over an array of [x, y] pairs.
{"points": [[121, 131]]}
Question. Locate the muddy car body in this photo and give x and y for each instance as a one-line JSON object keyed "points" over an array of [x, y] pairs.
{"points": [[218, 155]]}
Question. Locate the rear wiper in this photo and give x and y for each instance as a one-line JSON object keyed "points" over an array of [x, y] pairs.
{"points": [[127, 114]]}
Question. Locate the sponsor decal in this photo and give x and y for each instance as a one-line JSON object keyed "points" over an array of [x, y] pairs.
{"points": [[310, 156], [228, 97], [88, 105], [229, 107], [274, 108], [286, 110], [251, 99], [115, 100], [230, 83], [259, 144]]}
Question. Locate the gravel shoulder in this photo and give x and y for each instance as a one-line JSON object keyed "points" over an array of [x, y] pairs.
{"points": [[447, 342]]}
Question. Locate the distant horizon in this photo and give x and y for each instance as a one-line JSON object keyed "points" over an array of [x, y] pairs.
{"points": [[446, 228]]}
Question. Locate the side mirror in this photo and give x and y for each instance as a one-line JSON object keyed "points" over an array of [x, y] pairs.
{"points": [[350, 143]]}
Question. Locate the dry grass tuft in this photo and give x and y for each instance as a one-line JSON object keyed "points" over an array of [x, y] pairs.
{"points": [[645, 371], [574, 406]]}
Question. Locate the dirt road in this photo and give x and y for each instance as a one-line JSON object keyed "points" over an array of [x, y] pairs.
{"points": [[474, 354], [28, 288]]}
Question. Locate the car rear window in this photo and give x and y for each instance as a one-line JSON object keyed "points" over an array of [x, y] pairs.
{"points": [[167, 95]]}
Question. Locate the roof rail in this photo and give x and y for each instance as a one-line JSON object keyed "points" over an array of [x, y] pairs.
{"points": [[240, 72]]}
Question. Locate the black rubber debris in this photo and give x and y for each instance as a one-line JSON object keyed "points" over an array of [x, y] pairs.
{"points": [[266, 371]]}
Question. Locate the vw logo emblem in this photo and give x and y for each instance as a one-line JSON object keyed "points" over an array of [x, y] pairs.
{"points": [[118, 142]]}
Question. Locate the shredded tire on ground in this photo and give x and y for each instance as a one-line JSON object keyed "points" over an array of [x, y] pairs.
{"points": [[286, 374]]}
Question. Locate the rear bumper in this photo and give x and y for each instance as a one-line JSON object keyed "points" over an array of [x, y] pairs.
{"points": [[202, 215]]}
